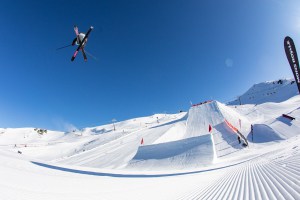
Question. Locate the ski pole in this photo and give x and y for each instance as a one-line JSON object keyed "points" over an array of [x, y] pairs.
{"points": [[64, 47], [89, 54]]}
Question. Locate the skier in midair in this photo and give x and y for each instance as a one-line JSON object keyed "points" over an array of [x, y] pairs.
{"points": [[80, 40]]}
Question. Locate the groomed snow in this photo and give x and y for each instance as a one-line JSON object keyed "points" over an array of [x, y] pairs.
{"points": [[178, 159], [270, 174]]}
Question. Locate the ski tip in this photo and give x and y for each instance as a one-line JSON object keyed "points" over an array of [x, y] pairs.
{"points": [[92, 27]]}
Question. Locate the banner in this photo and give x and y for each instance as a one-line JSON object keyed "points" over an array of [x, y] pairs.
{"points": [[291, 54]]}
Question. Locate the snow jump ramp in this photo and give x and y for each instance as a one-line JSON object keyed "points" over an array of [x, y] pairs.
{"points": [[182, 154], [217, 115], [198, 146]]}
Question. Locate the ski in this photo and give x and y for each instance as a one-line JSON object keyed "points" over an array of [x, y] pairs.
{"points": [[84, 55], [81, 43], [76, 30], [77, 33]]}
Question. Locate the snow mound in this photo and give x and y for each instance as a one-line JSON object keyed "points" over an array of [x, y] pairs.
{"points": [[270, 114], [264, 133], [182, 154], [225, 141], [212, 113]]}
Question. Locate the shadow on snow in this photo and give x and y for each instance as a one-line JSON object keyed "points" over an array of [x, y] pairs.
{"points": [[77, 171]]}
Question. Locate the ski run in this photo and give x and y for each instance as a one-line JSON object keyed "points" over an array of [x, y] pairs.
{"points": [[197, 154]]}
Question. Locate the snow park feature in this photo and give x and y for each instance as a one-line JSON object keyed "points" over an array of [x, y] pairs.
{"points": [[289, 117], [183, 100], [198, 154]]}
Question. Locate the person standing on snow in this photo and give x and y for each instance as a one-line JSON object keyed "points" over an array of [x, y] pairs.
{"points": [[252, 132]]}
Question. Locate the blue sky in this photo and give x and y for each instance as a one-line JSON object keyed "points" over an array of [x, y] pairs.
{"points": [[152, 57]]}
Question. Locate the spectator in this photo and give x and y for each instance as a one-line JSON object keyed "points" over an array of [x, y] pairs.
{"points": [[252, 132]]}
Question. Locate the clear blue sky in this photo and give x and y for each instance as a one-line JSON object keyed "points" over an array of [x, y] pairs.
{"points": [[153, 56]]}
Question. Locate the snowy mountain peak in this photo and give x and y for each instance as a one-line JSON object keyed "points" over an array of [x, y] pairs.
{"points": [[269, 91]]}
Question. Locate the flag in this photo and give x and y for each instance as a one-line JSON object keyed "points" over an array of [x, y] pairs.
{"points": [[292, 57], [142, 141], [209, 128]]}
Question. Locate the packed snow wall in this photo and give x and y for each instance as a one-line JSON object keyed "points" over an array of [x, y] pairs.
{"points": [[182, 154], [200, 117], [214, 113]]}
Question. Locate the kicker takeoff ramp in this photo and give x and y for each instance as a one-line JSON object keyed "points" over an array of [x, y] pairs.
{"points": [[215, 114]]}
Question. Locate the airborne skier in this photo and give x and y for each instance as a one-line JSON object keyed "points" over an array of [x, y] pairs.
{"points": [[80, 40]]}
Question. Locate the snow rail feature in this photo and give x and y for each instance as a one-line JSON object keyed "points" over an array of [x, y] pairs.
{"points": [[289, 117], [234, 129], [231, 126]]}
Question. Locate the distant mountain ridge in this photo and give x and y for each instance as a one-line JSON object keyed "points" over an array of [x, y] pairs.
{"points": [[269, 91]]}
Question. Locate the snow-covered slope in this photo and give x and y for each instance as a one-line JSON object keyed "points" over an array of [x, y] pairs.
{"points": [[272, 175], [270, 91], [22, 136], [119, 151], [272, 172], [178, 141], [178, 151], [269, 116]]}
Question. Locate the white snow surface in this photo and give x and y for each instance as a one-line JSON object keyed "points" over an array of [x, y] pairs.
{"points": [[269, 91], [178, 159]]}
